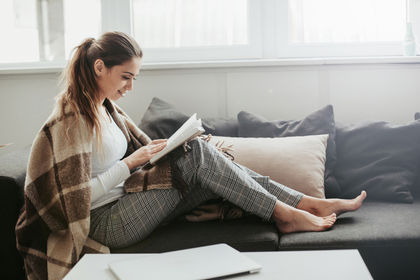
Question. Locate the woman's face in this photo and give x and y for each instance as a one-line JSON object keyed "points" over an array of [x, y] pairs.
{"points": [[114, 82]]}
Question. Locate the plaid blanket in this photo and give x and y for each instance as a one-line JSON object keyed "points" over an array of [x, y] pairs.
{"points": [[53, 226]]}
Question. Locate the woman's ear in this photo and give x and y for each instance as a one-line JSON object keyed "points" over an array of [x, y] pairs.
{"points": [[99, 67]]}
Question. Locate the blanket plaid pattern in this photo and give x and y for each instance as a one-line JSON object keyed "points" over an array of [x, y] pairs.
{"points": [[53, 226]]}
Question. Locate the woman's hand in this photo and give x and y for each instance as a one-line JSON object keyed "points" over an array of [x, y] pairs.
{"points": [[145, 153]]}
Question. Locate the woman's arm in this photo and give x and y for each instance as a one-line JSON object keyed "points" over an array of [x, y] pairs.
{"points": [[106, 181]]}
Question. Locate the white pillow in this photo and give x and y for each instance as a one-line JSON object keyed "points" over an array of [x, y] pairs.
{"points": [[297, 162]]}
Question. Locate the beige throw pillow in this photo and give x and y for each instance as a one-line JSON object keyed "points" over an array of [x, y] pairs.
{"points": [[297, 162]]}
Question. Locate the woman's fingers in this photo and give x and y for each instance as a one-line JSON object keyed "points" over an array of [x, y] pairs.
{"points": [[158, 148], [145, 153], [159, 145], [158, 141]]}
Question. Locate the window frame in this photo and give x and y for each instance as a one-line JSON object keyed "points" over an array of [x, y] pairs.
{"points": [[251, 51], [368, 49]]}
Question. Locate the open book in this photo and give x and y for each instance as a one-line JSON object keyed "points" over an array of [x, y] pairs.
{"points": [[189, 130]]}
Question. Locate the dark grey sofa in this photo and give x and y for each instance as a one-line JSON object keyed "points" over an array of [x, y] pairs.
{"points": [[386, 231]]}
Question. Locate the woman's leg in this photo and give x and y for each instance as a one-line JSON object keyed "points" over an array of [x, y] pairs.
{"points": [[323, 207], [209, 174], [289, 219], [132, 218], [206, 168], [310, 214], [313, 205], [211, 170], [284, 194]]}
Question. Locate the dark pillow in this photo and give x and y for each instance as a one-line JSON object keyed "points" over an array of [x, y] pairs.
{"points": [[378, 157], [319, 122], [161, 120]]}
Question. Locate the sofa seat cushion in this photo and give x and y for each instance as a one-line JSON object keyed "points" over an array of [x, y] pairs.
{"points": [[374, 224], [245, 234], [386, 234]]}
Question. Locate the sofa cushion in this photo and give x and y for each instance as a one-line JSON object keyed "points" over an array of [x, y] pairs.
{"points": [[319, 122], [245, 234], [162, 119], [386, 234], [378, 157], [297, 162]]}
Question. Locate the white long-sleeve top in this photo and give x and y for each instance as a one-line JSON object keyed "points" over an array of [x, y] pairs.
{"points": [[108, 170]]}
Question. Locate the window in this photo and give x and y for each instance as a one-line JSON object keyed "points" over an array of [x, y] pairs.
{"points": [[190, 23], [173, 30], [45, 30], [355, 21], [18, 30], [340, 27], [80, 23]]}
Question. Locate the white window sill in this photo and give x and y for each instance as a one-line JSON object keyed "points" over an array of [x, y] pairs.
{"points": [[55, 67]]}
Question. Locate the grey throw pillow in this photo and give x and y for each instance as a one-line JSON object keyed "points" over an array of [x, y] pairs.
{"points": [[162, 119], [378, 157], [319, 122]]}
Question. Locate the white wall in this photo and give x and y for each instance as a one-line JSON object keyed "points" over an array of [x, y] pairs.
{"points": [[389, 92]]}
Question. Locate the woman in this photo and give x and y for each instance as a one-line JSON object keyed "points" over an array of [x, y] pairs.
{"points": [[85, 192]]}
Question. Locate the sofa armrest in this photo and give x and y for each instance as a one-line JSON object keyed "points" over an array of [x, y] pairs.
{"points": [[12, 178]]}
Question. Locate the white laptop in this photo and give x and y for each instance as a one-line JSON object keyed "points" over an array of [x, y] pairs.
{"points": [[206, 262]]}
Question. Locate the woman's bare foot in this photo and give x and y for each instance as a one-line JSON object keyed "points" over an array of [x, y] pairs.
{"points": [[289, 219], [325, 207]]}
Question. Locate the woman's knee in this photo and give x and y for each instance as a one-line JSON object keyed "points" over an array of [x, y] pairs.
{"points": [[196, 149], [199, 145]]}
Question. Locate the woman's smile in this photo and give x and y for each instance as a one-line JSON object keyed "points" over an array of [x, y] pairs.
{"points": [[122, 93]]}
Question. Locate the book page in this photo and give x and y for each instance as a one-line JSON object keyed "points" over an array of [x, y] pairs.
{"points": [[190, 129]]}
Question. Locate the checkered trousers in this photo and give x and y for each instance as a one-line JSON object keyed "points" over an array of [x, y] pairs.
{"points": [[209, 174]]}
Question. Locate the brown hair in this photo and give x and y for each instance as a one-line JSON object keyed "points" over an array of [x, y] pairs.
{"points": [[79, 79]]}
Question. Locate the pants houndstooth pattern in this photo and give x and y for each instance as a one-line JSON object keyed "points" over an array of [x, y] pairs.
{"points": [[209, 174]]}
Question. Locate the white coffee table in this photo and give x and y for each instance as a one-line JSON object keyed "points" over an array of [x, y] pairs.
{"points": [[328, 264]]}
